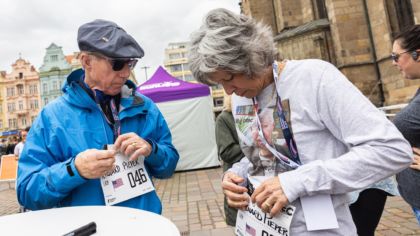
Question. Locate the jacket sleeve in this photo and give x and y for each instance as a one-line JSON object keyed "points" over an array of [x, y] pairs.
{"points": [[162, 160], [376, 149], [43, 180], [227, 143]]}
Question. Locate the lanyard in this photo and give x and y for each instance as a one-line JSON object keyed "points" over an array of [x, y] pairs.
{"points": [[116, 126], [294, 160], [290, 141]]}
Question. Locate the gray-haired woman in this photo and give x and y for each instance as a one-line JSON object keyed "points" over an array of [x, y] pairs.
{"points": [[335, 140]]}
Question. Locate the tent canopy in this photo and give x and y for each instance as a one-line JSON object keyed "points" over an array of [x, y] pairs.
{"points": [[188, 110], [162, 87]]}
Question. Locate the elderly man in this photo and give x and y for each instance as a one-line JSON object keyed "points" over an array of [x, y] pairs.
{"points": [[63, 162]]}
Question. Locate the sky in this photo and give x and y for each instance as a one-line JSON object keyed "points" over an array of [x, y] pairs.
{"points": [[27, 28]]}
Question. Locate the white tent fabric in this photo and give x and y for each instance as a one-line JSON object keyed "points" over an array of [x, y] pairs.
{"points": [[191, 122]]}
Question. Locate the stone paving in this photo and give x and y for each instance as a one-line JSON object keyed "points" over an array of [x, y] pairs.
{"points": [[194, 202]]}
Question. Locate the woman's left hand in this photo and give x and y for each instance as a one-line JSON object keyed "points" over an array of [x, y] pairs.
{"points": [[270, 197], [132, 145], [416, 160]]}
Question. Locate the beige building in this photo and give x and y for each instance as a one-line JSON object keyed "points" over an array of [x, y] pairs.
{"points": [[176, 63], [354, 35], [20, 97]]}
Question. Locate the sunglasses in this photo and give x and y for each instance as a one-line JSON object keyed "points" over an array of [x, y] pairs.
{"points": [[118, 64], [395, 56]]}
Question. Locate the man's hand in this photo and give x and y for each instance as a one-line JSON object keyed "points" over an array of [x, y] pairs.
{"points": [[269, 196], [416, 160], [132, 145], [93, 163], [236, 195]]}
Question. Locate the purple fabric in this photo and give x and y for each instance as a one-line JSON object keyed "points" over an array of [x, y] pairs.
{"points": [[162, 87]]}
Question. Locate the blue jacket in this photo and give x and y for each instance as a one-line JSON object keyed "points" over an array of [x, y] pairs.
{"points": [[73, 123]]}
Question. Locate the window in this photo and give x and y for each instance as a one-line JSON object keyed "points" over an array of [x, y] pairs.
{"points": [[174, 56], [11, 106], [1, 124], [20, 89], [400, 14], [54, 85], [218, 102], [13, 123], [176, 68], [20, 75], [20, 105], [33, 89], [189, 78], [320, 11], [45, 88], [10, 92], [36, 103], [54, 57], [45, 101], [217, 86], [23, 121]]}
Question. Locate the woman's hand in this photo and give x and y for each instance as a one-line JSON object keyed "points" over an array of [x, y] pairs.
{"points": [[416, 159], [270, 197], [236, 195]]}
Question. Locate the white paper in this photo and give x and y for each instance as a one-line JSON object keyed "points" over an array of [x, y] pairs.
{"points": [[253, 221], [128, 180], [319, 212]]}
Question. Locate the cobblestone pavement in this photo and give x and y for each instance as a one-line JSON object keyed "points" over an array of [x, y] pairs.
{"points": [[194, 202]]}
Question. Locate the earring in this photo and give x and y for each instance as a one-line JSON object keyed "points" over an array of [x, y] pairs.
{"points": [[415, 55]]}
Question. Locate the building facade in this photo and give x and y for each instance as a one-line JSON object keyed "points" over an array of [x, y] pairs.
{"points": [[20, 97], [176, 63], [354, 35], [53, 73]]}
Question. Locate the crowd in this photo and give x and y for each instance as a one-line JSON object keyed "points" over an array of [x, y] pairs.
{"points": [[295, 134]]}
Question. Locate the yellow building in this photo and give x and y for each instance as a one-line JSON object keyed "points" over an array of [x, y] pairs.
{"points": [[176, 63], [20, 98]]}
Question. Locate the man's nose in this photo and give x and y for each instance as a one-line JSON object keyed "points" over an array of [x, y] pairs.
{"points": [[228, 89]]}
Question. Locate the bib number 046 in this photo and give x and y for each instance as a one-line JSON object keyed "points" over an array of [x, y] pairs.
{"points": [[137, 177]]}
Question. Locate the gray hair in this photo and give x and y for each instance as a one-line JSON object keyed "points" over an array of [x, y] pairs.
{"points": [[230, 42]]}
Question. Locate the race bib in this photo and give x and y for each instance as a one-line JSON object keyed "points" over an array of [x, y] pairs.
{"points": [[128, 180], [254, 222]]}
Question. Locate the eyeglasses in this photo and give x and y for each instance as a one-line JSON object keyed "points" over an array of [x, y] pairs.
{"points": [[118, 64], [395, 56]]}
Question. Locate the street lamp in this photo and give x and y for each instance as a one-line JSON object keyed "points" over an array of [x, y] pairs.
{"points": [[145, 70]]}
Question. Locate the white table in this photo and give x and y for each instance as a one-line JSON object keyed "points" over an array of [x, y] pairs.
{"points": [[110, 220]]}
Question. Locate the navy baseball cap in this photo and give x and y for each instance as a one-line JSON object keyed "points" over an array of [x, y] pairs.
{"points": [[107, 38]]}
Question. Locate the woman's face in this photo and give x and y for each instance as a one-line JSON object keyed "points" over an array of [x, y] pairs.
{"points": [[241, 84], [409, 68]]}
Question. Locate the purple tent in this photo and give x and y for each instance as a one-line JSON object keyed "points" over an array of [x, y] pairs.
{"points": [[162, 87]]}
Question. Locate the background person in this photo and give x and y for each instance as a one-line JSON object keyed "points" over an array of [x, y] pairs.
{"points": [[11, 144], [228, 148], [63, 159], [343, 142], [406, 57], [19, 147]]}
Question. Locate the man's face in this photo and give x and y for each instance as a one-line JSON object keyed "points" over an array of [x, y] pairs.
{"points": [[23, 134], [101, 75]]}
